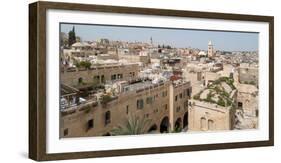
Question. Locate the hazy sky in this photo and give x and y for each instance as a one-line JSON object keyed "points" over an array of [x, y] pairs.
{"points": [[231, 41]]}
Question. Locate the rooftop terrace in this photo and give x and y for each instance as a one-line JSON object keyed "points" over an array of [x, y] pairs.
{"points": [[220, 92]]}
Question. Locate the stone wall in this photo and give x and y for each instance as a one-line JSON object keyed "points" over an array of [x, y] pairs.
{"points": [[179, 98], [248, 75], [205, 116], [120, 109], [128, 71]]}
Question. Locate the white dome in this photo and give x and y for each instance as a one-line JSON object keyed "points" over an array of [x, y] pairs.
{"points": [[202, 53], [80, 44]]}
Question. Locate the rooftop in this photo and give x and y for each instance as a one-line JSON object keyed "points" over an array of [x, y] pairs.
{"points": [[80, 44], [220, 92], [66, 90], [141, 85]]}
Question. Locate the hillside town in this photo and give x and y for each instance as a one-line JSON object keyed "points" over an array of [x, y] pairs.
{"points": [[114, 87]]}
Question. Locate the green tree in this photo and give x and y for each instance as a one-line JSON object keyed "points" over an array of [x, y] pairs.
{"points": [[85, 64], [133, 126], [71, 37]]}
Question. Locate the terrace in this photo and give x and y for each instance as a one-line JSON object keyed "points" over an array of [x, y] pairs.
{"points": [[220, 92], [142, 85]]}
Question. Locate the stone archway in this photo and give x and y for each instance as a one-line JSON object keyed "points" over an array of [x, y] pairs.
{"points": [[178, 125], [164, 125], [106, 134], [185, 120], [152, 129]]}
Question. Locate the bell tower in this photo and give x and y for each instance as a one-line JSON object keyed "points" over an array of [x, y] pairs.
{"points": [[210, 50]]}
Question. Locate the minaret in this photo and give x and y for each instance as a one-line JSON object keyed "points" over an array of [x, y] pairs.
{"points": [[210, 49]]}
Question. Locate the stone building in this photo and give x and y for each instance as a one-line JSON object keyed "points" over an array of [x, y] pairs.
{"points": [[180, 94], [248, 74], [247, 99], [214, 107], [206, 116], [211, 51], [80, 49], [100, 74], [154, 102]]}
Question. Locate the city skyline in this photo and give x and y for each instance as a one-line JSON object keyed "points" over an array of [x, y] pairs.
{"points": [[179, 38]]}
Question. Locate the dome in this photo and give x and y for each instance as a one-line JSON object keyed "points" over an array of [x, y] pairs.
{"points": [[202, 53], [80, 44]]}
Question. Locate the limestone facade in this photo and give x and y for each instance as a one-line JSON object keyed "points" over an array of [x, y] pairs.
{"points": [[207, 116], [156, 103], [101, 73]]}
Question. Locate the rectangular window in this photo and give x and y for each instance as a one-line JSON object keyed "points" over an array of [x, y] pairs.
{"points": [[164, 93], [176, 98], [127, 109], [188, 92], [240, 105], [181, 95], [113, 77], [140, 104], [107, 117], [102, 79], [120, 76], [90, 124]]}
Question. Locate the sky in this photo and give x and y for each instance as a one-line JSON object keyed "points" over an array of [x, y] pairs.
{"points": [[179, 38]]}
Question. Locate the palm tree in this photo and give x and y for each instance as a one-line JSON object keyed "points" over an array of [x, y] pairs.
{"points": [[134, 126]]}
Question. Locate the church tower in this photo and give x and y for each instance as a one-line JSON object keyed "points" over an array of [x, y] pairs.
{"points": [[210, 50]]}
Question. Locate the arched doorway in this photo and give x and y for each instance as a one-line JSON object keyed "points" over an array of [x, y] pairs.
{"points": [[164, 126], [106, 134], [203, 123], [185, 120], [210, 124], [152, 129], [178, 125]]}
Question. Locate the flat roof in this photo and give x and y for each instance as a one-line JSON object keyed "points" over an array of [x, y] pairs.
{"points": [[66, 90], [139, 85]]}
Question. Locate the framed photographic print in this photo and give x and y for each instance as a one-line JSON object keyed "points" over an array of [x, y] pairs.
{"points": [[112, 81]]}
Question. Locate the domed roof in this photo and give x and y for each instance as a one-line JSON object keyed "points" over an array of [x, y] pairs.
{"points": [[202, 53], [80, 44]]}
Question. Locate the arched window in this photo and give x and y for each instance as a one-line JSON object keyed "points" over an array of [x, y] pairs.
{"points": [[178, 125], [80, 80], [203, 124], [211, 124], [107, 118], [152, 129], [164, 126]]}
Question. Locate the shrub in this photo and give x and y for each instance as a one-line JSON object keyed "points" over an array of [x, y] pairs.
{"points": [[196, 97], [221, 102], [85, 64], [105, 99]]}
